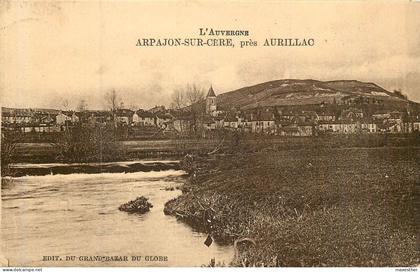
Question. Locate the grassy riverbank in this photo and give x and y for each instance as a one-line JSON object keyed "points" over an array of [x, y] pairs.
{"points": [[309, 207]]}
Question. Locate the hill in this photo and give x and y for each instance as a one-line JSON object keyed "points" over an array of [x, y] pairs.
{"points": [[294, 92]]}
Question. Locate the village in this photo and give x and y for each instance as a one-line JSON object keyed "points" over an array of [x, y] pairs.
{"points": [[352, 115]]}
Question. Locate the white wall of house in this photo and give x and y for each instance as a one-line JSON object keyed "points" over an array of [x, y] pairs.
{"points": [[61, 119], [369, 127], [136, 118], [123, 119], [74, 118], [143, 121]]}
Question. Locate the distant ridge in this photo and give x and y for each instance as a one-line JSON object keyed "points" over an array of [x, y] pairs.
{"points": [[295, 92]]}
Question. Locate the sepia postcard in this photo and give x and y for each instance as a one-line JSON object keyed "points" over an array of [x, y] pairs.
{"points": [[210, 134]]}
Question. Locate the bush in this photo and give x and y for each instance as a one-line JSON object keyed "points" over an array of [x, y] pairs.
{"points": [[89, 144]]}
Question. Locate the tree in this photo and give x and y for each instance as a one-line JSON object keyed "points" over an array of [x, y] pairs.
{"points": [[189, 99], [65, 104], [178, 99], [194, 94], [89, 144], [82, 106], [195, 97], [112, 101], [9, 141]]}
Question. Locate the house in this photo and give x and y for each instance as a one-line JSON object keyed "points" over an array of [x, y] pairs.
{"points": [[209, 123], [74, 118], [327, 126], [17, 116], [62, 119], [295, 130], [351, 114], [325, 116], [45, 128], [339, 127], [261, 120], [395, 116], [219, 121], [416, 125], [45, 118], [286, 114], [412, 124], [96, 118], [143, 118], [92, 117], [289, 131], [389, 127], [231, 121], [368, 126], [266, 122], [380, 115], [393, 127], [306, 129], [392, 123], [123, 116], [162, 119]]}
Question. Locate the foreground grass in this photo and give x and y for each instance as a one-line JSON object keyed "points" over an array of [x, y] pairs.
{"points": [[329, 207]]}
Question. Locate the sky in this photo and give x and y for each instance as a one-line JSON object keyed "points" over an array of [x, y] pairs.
{"points": [[56, 51]]}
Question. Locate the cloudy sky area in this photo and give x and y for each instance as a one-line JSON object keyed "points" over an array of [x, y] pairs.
{"points": [[79, 50]]}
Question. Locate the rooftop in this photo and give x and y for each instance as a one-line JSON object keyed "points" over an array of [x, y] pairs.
{"points": [[211, 92]]}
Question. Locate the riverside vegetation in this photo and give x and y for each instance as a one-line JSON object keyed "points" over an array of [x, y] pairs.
{"points": [[307, 207], [336, 201]]}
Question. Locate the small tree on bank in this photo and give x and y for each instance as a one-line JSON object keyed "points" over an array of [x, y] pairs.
{"points": [[9, 141]]}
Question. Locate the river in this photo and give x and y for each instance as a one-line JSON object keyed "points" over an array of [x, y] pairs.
{"points": [[77, 215]]}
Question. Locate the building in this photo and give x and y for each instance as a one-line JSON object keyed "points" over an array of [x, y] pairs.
{"points": [[62, 119], [17, 116], [97, 118], [209, 123], [296, 130], [162, 119], [231, 121], [325, 116], [380, 115], [143, 118], [265, 123], [123, 116], [368, 126], [351, 114], [211, 105], [338, 127], [74, 118]]}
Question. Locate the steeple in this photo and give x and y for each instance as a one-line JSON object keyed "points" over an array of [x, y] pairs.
{"points": [[211, 101], [211, 92]]}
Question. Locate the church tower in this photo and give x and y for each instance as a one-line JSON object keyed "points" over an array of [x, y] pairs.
{"points": [[211, 101]]}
